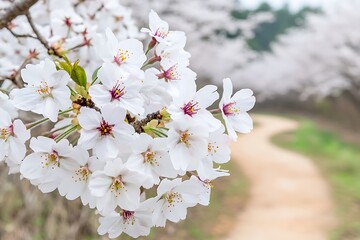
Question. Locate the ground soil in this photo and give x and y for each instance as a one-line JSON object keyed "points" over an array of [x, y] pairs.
{"points": [[289, 199]]}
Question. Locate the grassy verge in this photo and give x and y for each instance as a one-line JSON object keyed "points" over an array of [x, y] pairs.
{"points": [[339, 161]]}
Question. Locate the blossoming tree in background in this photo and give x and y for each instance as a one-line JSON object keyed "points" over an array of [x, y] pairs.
{"points": [[320, 60], [209, 22], [118, 120]]}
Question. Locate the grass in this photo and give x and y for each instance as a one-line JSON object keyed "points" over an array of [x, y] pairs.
{"points": [[339, 161]]}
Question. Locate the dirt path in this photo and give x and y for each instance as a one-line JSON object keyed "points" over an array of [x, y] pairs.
{"points": [[288, 200]]}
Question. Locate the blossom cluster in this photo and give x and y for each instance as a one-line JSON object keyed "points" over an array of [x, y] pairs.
{"points": [[136, 141], [55, 27]]}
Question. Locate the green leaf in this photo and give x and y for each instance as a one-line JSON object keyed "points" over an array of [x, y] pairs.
{"points": [[94, 76], [66, 66], [78, 74]]}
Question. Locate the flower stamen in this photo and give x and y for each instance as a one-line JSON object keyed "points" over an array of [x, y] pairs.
{"points": [[82, 174], [184, 138], [173, 198], [170, 74], [128, 217], [5, 133], [230, 109], [122, 56], [191, 108], [149, 157], [51, 159], [43, 90], [117, 91], [105, 128]]}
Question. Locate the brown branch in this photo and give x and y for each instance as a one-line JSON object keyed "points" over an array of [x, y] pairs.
{"points": [[41, 39], [20, 35], [138, 125], [20, 7], [36, 31], [17, 78]]}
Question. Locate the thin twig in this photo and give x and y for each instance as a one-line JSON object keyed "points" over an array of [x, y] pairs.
{"points": [[20, 35], [39, 37], [17, 78], [19, 7]]}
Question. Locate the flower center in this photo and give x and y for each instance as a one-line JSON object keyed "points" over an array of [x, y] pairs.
{"points": [[105, 128], [128, 217], [121, 56], [184, 138], [230, 109], [67, 22], [51, 159], [117, 185], [212, 149], [6, 132], [173, 198], [161, 33], [117, 91], [170, 74], [43, 90], [149, 157], [82, 174], [191, 108]]}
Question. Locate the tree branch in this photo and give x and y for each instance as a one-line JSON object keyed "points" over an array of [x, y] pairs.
{"points": [[20, 35], [39, 37], [138, 125], [20, 7]]}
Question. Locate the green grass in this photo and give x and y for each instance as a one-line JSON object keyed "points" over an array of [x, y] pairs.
{"points": [[340, 164]]}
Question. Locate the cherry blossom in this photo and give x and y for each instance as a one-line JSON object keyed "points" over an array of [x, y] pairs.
{"points": [[194, 104], [234, 109], [174, 197], [49, 162], [104, 131], [46, 91], [116, 185], [187, 144], [150, 156], [7, 105], [76, 184], [134, 223], [159, 29], [13, 135], [117, 88], [115, 122], [128, 52]]}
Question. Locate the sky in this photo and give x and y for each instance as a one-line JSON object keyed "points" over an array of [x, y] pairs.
{"points": [[294, 4]]}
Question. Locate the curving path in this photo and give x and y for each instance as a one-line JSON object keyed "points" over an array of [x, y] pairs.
{"points": [[289, 199]]}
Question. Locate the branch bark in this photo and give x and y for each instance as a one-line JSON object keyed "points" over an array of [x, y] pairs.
{"points": [[19, 7], [39, 37]]}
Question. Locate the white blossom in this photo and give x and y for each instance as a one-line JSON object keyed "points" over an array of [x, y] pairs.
{"points": [[234, 109], [46, 92], [103, 132], [13, 135]]}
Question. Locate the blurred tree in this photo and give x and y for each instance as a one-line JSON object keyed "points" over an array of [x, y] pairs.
{"points": [[267, 32]]}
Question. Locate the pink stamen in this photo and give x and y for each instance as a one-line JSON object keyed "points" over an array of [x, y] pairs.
{"points": [[105, 128], [128, 216], [191, 108], [170, 75], [117, 92], [230, 109]]}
